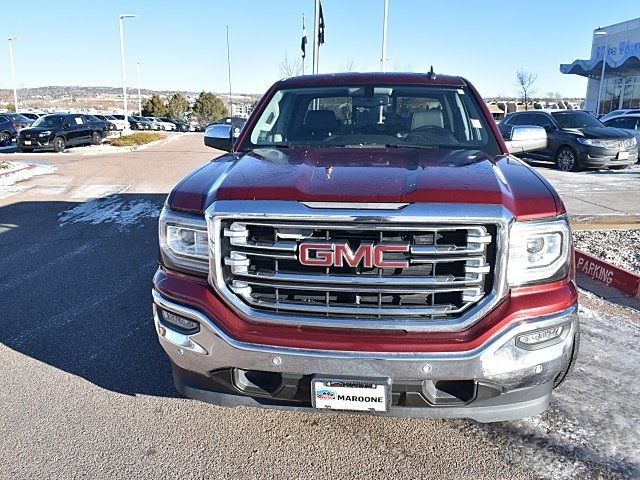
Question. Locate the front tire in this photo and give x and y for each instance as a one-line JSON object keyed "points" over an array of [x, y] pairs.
{"points": [[567, 159], [59, 144]]}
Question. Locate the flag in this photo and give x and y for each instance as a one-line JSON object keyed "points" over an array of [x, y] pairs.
{"points": [[320, 26], [303, 45]]}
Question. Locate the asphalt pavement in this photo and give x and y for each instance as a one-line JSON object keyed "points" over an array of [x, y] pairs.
{"points": [[86, 391]]}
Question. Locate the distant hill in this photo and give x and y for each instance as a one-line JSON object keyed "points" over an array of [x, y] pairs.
{"points": [[99, 98]]}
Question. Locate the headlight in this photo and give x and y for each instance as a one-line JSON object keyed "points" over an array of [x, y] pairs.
{"points": [[184, 240], [631, 142], [538, 250], [592, 142], [45, 133]]}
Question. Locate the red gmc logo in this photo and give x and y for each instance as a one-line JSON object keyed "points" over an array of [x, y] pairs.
{"points": [[327, 254]]}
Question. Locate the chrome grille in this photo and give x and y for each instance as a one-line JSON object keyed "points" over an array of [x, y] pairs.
{"points": [[448, 269]]}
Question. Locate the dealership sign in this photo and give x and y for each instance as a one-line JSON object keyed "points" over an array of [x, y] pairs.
{"points": [[624, 47]]}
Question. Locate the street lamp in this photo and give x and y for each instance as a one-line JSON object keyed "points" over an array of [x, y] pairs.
{"points": [[13, 72], [138, 63], [122, 16], [601, 31]]}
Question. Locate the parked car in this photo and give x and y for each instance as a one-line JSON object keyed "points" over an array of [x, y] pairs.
{"points": [[100, 124], [120, 124], [617, 113], [10, 125], [141, 123], [59, 131], [31, 115], [164, 125], [169, 123], [577, 140], [155, 124], [399, 264], [181, 126], [629, 122]]}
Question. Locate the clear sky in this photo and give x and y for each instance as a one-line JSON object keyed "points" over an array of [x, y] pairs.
{"points": [[75, 42]]}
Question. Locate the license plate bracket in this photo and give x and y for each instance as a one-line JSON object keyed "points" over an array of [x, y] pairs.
{"points": [[364, 395]]}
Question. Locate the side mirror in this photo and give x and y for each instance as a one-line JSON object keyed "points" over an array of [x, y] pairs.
{"points": [[526, 139], [219, 136], [66, 126], [549, 128]]}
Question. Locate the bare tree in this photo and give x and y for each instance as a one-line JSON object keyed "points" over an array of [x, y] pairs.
{"points": [[290, 68], [524, 82], [349, 66]]}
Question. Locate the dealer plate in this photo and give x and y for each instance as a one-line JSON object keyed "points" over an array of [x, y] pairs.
{"points": [[623, 155], [27, 142], [354, 395]]}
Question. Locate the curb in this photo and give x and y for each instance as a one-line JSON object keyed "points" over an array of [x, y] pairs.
{"points": [[583, 222], [608, 274]]}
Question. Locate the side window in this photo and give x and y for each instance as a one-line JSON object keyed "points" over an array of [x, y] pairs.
{"points": [[524, 119], [628, 123], [541, 120]]}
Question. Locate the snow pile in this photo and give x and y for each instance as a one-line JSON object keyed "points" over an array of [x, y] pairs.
{"points": [[115, 210], [620, 247], [19, 171]]}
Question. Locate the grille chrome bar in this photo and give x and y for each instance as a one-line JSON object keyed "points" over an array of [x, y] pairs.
{"points": [[301, 280], [449, 276], [349, 289]]}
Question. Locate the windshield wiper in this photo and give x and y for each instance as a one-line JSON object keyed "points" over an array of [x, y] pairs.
{"points": [[412, 145]]}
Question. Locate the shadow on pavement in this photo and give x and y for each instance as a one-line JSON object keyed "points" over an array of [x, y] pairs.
{"points": [[75, 289]]}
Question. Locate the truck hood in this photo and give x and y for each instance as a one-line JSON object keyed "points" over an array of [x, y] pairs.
{"points": [[369, 175]]}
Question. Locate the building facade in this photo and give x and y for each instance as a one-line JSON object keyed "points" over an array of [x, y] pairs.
{"points": [[619, 46]]}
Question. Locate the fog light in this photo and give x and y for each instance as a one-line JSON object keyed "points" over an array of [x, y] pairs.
{"points": [[182, 324], [542, 338]]}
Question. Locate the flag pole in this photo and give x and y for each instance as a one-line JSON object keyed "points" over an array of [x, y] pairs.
{"points": [[316, 49]]}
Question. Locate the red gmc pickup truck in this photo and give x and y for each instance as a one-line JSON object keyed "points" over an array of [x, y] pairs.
{"points": [[368, 244]]}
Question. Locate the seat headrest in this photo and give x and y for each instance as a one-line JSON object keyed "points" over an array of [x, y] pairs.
{"points": [[320, 120], [432, 117]]}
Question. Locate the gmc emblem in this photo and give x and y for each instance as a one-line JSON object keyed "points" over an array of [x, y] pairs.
{"points": [[325, 254]]}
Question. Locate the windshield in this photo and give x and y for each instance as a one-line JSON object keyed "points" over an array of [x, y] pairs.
{"points": [[48, 121], [576, 120], [367, 115]]}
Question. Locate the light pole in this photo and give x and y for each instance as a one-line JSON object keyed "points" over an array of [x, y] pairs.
{"points": [[229, 72], [13, 72], [122, 16], [600, 31], [138, 63], [383, 60]]}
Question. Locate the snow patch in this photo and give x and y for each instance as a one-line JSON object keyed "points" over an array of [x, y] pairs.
{"points": [[115, 210], [19, 171], [593, 422]]}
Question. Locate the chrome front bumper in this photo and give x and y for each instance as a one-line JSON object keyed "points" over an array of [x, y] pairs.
{"points": [[525, 377]]}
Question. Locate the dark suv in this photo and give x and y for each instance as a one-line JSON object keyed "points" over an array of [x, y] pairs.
{"points": [[10, 125], [577, 140], [60, 130]]}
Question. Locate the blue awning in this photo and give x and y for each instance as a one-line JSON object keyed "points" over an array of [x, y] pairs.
{"points": [[593, 68]]}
